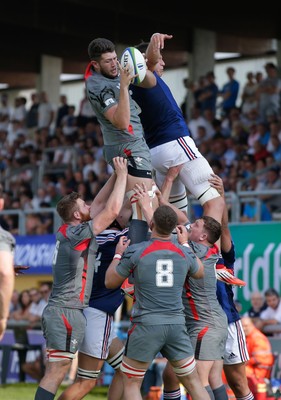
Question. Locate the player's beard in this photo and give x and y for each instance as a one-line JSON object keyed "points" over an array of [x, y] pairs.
{"points": [[112, 74], [85, 216]]}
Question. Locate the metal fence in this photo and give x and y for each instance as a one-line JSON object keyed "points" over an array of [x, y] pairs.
{"points": [[234, 201]]}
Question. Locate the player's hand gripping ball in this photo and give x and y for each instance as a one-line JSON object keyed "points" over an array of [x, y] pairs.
{"points": [[133, 59]]}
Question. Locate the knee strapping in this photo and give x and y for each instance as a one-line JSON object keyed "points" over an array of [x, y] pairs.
{"points": [[132, 372], [58, 355], [186, 368], [85, 374], [210, 194], [180, 202], [116, 360]]}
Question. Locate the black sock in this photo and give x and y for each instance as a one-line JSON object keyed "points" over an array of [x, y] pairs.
{"points": [[137, 231], [43, 394], [220, 393]]}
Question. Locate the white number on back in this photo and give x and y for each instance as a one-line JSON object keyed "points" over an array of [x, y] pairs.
{"points": [[164, 273]]}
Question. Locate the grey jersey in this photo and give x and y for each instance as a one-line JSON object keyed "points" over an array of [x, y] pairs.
{"points": [[73, 266], [7, 241], [200, 301], [104, 93], [159, 269]]}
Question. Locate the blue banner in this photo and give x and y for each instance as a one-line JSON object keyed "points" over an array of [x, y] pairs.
{"points": [[36, 252]]}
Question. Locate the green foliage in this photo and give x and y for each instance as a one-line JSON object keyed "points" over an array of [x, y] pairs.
{"points": [[26, 391]]}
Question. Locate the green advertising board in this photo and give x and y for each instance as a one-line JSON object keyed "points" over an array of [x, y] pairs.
{"points": [[258, 258]]}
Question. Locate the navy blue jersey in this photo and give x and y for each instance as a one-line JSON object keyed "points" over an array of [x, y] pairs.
{"points": [[225, 293], [107, 300], [161, 117]]}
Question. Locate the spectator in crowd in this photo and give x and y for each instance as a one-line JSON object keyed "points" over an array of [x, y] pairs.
{"points": [[185, 106], [273, 181], [258, 305], [249, 95], [69, 123], [229, 92], [269, 92], [259, 348], [5, 112], [197, 90], [46, 113], [85, 114], [45, 290], [37, 306], [32, 115], [62, 111], [14, 303], [209, 93], [272, 314], [25, 302]]}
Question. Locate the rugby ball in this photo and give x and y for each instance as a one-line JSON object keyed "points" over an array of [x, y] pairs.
{"points": [[134, 60]]}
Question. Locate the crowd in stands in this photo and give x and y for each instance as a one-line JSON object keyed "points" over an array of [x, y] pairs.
{"points": [[238, 140]]}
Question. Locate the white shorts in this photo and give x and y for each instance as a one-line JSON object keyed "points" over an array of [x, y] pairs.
{"points": [[235, 349], [196, 170], [99, 333]]}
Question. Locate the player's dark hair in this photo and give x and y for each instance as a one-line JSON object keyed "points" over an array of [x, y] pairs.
{"points": [[67, 206], [212, 228], [99, 46], [1, 191], [271, 292], [165, 220]]}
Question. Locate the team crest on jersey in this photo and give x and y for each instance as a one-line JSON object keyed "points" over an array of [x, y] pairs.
{"points": [[138, 160]]}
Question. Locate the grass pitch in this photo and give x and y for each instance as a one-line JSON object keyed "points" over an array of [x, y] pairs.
{"points": [[26, 391]]}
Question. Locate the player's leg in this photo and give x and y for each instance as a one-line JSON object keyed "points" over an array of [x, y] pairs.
{"points": [[54, 373], [236, 355], [171, 384], [216, 382], [92, 353], [87, 374], [116, 350], [60, 347], [138, 228], [195, 175], [133, 373], [139, 170], [178, 195], [164, 157], [186, 372]]}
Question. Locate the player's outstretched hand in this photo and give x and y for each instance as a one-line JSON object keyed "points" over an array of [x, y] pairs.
{"points": [[158, 39], [19, 269], [141, 195], [217, 183]]}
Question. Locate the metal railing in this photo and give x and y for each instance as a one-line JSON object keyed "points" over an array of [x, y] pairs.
{"points": [[233, 200]]}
